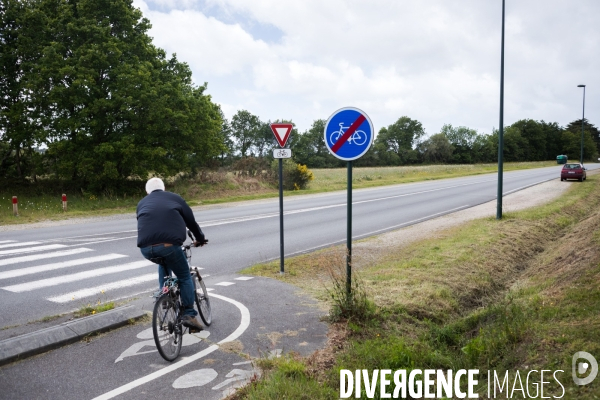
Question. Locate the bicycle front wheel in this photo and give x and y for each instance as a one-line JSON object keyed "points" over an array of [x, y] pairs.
{"points": [[202, 300], [167, 332], [359, 138]]}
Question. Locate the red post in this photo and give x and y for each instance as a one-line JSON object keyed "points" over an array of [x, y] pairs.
{"points": [[15, 204], [64, 201]]}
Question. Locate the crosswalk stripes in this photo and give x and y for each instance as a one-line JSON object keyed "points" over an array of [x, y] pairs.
{"points": [[29, 286], [32, 249], [100, 289], [50, 267], [60, 262], [35, 257]]}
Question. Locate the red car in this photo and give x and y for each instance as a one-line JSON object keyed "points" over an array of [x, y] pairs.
{"points": [[573, 171]]}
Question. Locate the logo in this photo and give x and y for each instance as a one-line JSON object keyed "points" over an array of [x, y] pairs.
{"points": [[581, 368]]}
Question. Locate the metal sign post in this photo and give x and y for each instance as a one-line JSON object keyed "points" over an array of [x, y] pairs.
{"points": [[348, 135], [282, 133]]}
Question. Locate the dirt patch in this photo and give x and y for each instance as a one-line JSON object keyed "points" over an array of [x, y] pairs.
{"points": [[234, 346]]}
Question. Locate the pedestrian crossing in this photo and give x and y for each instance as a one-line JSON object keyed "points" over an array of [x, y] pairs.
{"points": [[62, 273]]}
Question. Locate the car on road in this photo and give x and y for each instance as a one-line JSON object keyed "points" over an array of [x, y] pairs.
{"points": [[573, 171]]}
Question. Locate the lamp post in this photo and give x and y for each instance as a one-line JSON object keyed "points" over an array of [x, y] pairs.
{"points": [[582, 119], [501, 130]]}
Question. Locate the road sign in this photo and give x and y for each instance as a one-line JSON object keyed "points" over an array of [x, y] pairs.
{"points": [[282, 132], [282, 153], [348, 133]]}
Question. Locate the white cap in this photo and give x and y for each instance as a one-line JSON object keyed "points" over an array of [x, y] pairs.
{"points": [[154, 184]]}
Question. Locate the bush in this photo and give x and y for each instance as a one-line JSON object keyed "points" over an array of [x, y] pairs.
{"points": [[295, 176]]}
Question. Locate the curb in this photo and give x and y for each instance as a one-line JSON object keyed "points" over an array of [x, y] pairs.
{"points": [[29, 344]]}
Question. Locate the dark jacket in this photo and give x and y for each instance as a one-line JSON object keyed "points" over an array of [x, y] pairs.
{"points": [[162, 218]]}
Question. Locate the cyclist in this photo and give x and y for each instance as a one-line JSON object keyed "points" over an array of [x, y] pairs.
{"points": [[162, 218]]}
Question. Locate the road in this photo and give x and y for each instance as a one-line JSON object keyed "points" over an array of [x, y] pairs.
{"points": [[57, 269]]}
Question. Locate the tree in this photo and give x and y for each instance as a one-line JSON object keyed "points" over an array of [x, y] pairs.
{"points": [[113, 107], [309, 148], [462, 140], [589, 130], [395, 144], [245, 128], [436, 149], [20, 39]]}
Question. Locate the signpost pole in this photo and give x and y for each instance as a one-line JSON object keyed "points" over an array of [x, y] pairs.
{"points": [[281, 131], [349, 238], [281, 268]]}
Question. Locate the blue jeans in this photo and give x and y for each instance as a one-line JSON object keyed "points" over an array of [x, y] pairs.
{"points": [[174, 260]]}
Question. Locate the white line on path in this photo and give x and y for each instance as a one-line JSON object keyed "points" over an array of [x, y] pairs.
{"points": [[7, 241], [5, 246], [244, 324], [224, 284], [50, 267], [59, 280], [33, 249], [14, 260], [79, 294]]}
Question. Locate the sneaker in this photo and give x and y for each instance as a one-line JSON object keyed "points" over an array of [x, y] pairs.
{"points": [[192, 323]]}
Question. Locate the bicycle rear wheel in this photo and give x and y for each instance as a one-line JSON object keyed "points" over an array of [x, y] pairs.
{"points": [[202, 300], [167, 333]]}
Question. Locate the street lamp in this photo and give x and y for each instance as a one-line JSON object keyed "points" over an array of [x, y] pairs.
{"points": [[582, 119]]}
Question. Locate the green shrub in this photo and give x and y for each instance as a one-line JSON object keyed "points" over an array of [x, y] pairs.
{"points": [[295, 176]]}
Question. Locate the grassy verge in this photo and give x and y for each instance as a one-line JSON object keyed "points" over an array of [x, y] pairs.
{"points": [[219, 187], [92, 309], [519, 294]]}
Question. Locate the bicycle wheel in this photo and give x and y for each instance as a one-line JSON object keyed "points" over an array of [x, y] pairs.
{"points": [[359, 138], [202, 300], [167, 333], [335, 136]]}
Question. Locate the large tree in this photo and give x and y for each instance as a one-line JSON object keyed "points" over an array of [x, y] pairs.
{"points": [[245, 127], [395, 144], [114, 107]]}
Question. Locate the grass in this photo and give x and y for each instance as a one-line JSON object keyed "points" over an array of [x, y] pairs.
{"points": [[37, 204], [518, 294], [90, 309]]}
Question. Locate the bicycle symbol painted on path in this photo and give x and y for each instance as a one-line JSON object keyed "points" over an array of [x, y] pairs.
{"points": [[358, 137]]}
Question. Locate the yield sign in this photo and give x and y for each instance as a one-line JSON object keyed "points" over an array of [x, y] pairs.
{"points": [[281, 132]]}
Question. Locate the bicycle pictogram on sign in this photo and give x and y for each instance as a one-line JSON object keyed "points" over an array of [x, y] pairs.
{"points": [[348, 133]]}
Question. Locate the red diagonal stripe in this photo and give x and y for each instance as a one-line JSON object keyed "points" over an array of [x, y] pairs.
{"points": [[348, 133]]}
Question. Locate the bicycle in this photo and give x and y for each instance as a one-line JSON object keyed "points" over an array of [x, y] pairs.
{"points": [[167, 327], [358, 137]]}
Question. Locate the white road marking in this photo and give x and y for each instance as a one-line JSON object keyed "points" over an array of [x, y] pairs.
{"points": [[225, 283], [42, 283], [50, 267], [244, 278], [35, 257], [7, 241], [79, 294], [21, 244], [195, 378], [33, 249], [244, 324]]}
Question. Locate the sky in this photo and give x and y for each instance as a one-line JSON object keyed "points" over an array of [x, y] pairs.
{"points": [[436, 61]]}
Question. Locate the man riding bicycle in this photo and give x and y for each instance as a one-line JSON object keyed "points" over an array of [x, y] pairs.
{"points": [[162, 218]]}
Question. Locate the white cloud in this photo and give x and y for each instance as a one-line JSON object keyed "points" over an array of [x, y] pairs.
{"points": [[435, 61]]}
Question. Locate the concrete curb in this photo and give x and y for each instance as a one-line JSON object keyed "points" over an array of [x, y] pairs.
{"points": [[29, 344]]}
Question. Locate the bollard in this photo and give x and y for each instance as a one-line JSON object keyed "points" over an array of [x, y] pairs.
{"points": [[64, 201], [15, 206]]}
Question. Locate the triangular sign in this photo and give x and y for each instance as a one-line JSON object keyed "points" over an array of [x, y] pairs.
{"points": [[282, 132]]}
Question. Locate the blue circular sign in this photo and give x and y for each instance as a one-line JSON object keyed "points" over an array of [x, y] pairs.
{"points": [[348, 133]]}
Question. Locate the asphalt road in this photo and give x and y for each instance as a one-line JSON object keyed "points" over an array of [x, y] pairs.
{"points": [[53, 270]]}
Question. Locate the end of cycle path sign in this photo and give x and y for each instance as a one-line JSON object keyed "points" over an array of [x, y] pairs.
{"points": [[282, 132], [348, 133]]}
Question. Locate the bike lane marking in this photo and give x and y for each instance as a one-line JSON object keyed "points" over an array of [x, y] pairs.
{"points": [[244, 324], [336, 146]]}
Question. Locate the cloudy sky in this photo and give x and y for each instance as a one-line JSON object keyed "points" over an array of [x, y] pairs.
{"points": [[436, 61]]}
